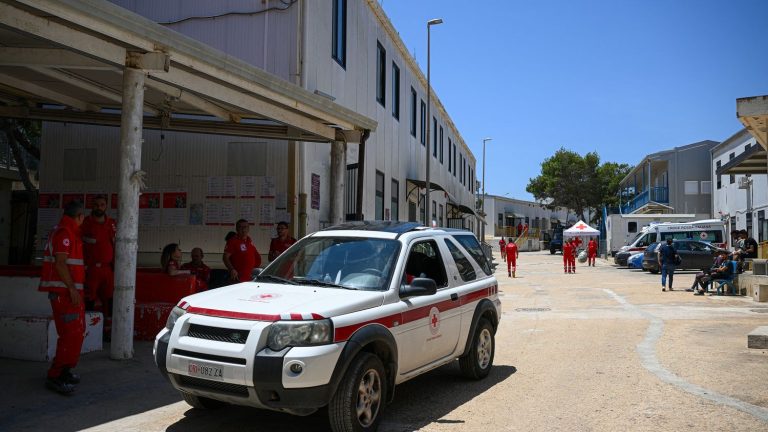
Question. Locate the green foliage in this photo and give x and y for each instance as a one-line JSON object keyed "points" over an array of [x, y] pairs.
{"points": [[577, 182]]}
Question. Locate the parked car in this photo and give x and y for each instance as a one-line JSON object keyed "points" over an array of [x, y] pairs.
{"points": [[337, 320], [635, 261], [695, 255], [556, 244], [621, 258]]}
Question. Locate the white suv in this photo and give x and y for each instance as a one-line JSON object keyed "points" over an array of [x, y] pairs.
{"points": [[338, 319]]}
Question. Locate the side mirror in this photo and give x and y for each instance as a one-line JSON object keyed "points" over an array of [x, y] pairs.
{"points": [[418, 287]]}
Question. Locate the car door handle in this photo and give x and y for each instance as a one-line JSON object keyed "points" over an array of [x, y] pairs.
{"points": [[454, 296]]}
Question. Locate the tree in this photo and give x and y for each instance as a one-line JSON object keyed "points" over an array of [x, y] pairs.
{"points": [[577, 182]]}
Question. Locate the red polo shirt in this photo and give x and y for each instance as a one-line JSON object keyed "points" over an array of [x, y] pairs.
{"points": [[98, 240], [243, 256]]}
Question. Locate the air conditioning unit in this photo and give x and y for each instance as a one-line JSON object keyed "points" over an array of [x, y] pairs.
{"points": [[745, 182]]}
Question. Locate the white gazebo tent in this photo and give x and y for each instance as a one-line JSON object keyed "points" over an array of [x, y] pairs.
{"points": [[581, 229]]}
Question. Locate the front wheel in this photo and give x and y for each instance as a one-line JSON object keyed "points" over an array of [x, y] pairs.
{"points": [[359, 401], [476, 364]]}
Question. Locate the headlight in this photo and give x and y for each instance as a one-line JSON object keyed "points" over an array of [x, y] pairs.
{"points": [[299, 333], [175, 314]]}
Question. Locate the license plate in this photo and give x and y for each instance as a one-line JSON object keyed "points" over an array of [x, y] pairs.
{"points": [[205, 371]]}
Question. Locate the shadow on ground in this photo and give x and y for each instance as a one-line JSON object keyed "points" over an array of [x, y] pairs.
{"points": [[419, 402]]}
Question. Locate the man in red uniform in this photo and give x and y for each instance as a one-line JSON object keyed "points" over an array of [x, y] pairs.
{"points": [[198, 268], [240, 255], [567, 253], [512, 254], [591, 252], [572, 257], [280, 243], [98, 231], [63, 278], [503, 249]]}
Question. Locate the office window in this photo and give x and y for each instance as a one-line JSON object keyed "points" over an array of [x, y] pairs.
{"points": [[434, 212], [632, 227], [395, 91], [461, 170], [440, 215], [423, 123], [395, 200], [441, 144], [719, 182], [691, 187], [379, 195], [339, 50], [501, 220], [732, 176], [381, 74], [454, 159], [450, 165], [434, 137], [413, 112]]}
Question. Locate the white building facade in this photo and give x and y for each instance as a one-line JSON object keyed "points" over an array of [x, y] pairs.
{"points": [[504, 214], [739, 198], [346, 51]]}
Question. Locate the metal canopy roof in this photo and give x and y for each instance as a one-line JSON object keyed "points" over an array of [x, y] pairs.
{"points": [[752, 161], [753, 113], [62, 60]]}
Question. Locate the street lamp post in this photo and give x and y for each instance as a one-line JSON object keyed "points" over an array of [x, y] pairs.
{"points": [[482, 228], [427, 183]]}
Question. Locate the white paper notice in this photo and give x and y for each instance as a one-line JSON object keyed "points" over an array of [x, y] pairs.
{"points": [[267, 213], [212, 213], [267, 187], [228, 187], [283, 216], [248, 212], [281, 201], [248, 187], [227, 215], [214, 187]]}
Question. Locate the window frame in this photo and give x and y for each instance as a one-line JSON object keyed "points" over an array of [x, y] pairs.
{"points": [[381, 74], [394, 200], [441, 145], [414, 115], [379, 211], [339, 31], [423, 123], [395, 91]]}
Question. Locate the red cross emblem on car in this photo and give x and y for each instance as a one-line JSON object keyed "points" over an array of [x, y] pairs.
{"points": [[434, 320]]}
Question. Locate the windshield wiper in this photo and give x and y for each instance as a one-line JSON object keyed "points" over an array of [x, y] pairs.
{"points": [[317, 282], [277, 279]]}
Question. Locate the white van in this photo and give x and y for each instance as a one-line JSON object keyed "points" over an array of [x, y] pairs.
{"points": [[708, 230]]}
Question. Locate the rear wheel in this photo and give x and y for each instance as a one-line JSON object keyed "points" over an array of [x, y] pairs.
{"points": [[359, 401], [552, 251], [476, 364], [200, 402]]}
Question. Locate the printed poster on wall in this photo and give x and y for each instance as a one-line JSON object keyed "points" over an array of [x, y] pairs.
{"points": [[212, 213], [248, 212], [196, 213], [149, 209], [267, 187], [48, 211], [281, 201], [228, 186], [174, 208], [248, 187], [214, 187], [227, 214], [315, 200], [267, 213]]}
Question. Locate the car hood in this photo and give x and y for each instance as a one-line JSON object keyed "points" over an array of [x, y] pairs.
{"points": [[271, 302]]}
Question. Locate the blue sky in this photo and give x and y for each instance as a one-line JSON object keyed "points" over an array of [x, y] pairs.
{"points": [[621, 77]]}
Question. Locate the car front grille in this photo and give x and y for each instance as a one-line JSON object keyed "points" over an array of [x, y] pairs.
{"points": [[218, 334], [215, 386]]}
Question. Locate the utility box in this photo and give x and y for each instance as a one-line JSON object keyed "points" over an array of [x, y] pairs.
{"points": [[760, 267], [760, 292]]}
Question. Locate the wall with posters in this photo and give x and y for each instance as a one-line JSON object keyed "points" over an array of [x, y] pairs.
{"points": [[197, 186]]}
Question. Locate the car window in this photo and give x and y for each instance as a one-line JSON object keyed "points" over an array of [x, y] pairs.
{"points": [[424, 262], [682, 246], [466, 271], [472, 246]]}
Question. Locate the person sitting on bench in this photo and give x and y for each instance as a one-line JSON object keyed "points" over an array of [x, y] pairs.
{"points": [[725, 271]]}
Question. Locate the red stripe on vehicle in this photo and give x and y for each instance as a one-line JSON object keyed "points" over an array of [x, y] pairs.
{"points": [[182, 304], [231, 314], [317, 316], [296, 317], [342, 334]]}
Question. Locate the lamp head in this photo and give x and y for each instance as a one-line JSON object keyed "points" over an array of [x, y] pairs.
{"points": [[435, 21]]}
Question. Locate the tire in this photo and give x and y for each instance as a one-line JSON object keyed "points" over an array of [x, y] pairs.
{"points": [[552, 251], [477, 363], [200, 402], [359, 401]]}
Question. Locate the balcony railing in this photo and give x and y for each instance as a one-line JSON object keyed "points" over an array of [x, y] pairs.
{"points": [[655, 194]]}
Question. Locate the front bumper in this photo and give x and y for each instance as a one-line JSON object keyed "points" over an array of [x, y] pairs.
{"points": [[251, 373]]}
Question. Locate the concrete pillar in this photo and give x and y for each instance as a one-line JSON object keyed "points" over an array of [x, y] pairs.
{"points": [[338, 175], [126, 244]]}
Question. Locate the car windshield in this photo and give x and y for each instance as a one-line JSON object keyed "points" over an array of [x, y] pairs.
{"points": [[336, 262]]}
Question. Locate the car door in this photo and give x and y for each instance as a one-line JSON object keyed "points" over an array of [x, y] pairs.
{"points": [[683, 249], [701, 255], [433, 322]]}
